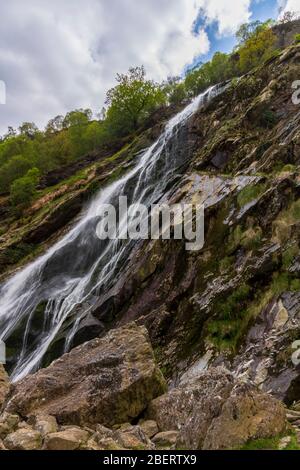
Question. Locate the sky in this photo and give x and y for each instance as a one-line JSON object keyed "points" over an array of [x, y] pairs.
{"points": [[59, 55]]}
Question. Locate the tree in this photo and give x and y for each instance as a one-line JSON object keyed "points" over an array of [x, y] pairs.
{"points": [[15, 168], [174, 90], [131, 101], [246, 30], [288, 16], [76, 123], [55, 125], [257, 48], [23, 189]]}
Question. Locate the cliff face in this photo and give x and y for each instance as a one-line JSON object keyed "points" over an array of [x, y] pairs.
{"points": [[223, 305], [286, 33]]}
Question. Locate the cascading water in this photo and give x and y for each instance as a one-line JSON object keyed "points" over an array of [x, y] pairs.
{"points": [[80, 267]]}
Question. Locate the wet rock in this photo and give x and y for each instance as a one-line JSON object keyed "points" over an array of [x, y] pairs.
{"points": [[216, 412], [133, 438], [24, 439], [246, 415], [266, 356], [149, 427], [8, 424], [105, 381], [2, 447], [69, 439], [166, 439], [190, 408]]}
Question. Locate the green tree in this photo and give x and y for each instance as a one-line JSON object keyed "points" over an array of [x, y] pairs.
{"points": [[131, 101], [15, 168]]}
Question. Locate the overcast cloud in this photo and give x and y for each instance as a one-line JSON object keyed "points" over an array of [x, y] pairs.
{"points": [[58, 55]]}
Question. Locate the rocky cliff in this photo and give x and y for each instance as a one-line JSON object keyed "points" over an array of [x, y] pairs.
{"points": [[222, 321]]}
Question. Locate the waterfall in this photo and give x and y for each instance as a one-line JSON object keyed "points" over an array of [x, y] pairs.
{"points": [[80, 267]]}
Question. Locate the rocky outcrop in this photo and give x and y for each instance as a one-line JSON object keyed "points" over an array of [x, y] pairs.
{"points": [[107, 381], [216, 412]]}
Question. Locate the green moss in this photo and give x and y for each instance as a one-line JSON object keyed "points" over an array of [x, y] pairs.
{"points": [[272, 444], [268, 119], [288, 169], [251, 239], [226, 263], [250, 193], [224, 330], [289, 255]]}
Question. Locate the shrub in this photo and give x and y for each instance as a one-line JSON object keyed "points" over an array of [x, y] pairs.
{"points": [[297, 39], [23, 189], [268, 119], [250, 193]]}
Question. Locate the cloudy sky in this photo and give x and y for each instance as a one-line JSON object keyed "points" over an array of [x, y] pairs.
{"points": [[58, 55]]}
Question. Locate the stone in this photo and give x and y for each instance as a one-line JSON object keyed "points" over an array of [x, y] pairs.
{"points": [[284, 442], [69, 439], [24, 439], [108, 381], [191, 407], [215, 411], [4, 384], [4, 430], [45, 424], [11, 420], [149, 427], [102, 433], [166, 439]]}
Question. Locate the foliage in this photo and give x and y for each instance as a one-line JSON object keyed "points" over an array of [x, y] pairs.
{"points": [[131, 101], [257, 47], [297, 38], [23, 189], [250, 193]]}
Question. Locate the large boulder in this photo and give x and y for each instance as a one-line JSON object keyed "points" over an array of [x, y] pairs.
{"points": [[109, 381], [214, 411], [4, 384]]}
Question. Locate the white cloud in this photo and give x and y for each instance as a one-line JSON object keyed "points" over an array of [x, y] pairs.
{"points": [[61, 54], [290, 5]]}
